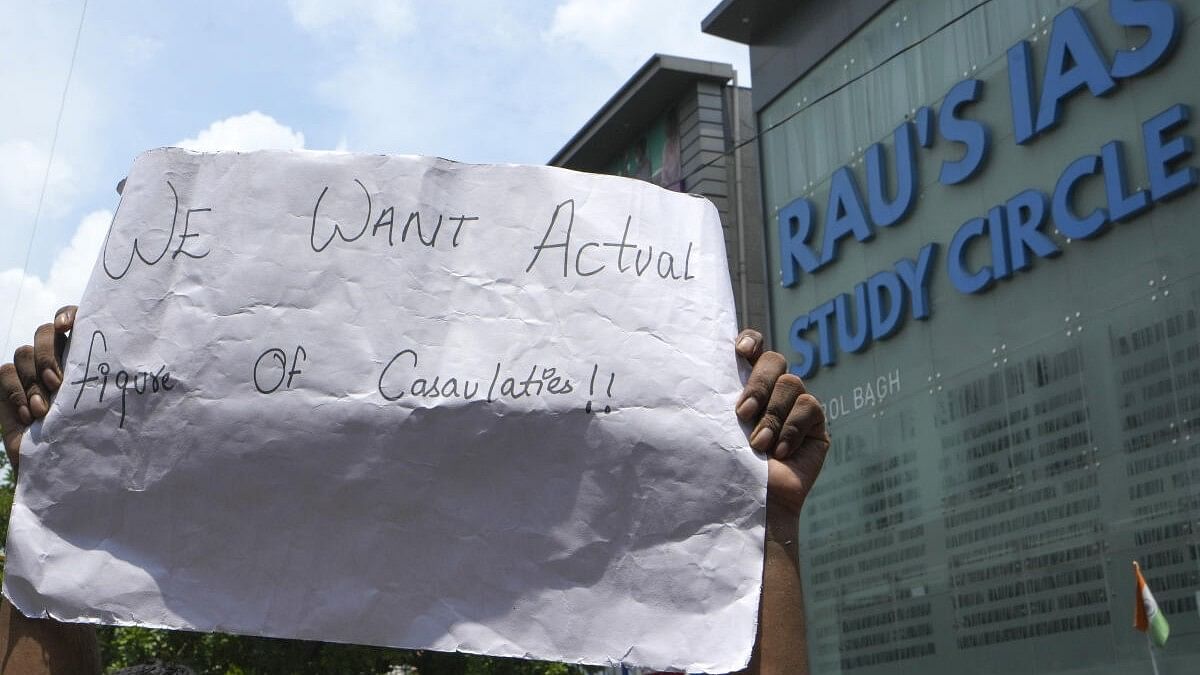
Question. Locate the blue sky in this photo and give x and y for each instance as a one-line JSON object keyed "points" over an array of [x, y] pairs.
{"points": [[471, 80]]}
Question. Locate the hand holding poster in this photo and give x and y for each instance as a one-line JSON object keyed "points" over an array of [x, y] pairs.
{"points": [[401, 401]]}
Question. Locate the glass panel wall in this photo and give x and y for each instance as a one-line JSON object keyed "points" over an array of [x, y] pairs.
{"points": [[996, 467]]}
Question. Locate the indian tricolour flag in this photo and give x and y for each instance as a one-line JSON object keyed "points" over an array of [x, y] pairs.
{"points": [[1147, 617]]}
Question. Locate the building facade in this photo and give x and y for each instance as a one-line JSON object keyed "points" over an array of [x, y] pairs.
{"points": [[677, 123], [982, 227]]}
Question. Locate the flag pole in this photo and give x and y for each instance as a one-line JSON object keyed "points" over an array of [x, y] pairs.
{"points": [[1153, 659]]}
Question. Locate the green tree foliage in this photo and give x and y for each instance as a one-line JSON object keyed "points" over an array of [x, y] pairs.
{"points": [[7, 490], [219, 654]]}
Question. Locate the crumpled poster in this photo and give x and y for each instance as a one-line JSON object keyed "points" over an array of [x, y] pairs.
{"points": [[401, 401]]}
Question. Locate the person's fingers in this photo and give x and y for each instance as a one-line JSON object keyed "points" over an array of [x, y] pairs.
{"points": [[749, 345], [810, 456], [759, 385], [23, 364], [805, 418], [43, 347], [783, 398], [45, 357], [64, 322], [12, 394], [14, 410], [64, 318], [789, 481]]}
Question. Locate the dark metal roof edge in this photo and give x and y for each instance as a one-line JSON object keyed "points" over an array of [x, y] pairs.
{"points": [[806, 68], [639, 84], [744, 20], [716, 23]]}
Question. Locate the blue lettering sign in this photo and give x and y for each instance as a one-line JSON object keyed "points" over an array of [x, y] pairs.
{"points": [[884, 212], [1026, 214], [845, 215], [964, 280], [853, 339], [1121, 204], [1016, 232], [1065, 219], [970, 133], [1020, 90], [1161, 18], [821, 316], [795, 228], [806, 365], [915, 276], [1161, 153], [886, 296], [1074, 62]]}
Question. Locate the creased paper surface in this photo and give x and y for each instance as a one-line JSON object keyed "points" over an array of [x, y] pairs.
{"points": [[401, 401]]}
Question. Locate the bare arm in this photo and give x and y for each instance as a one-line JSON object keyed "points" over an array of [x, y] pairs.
{"points": [[790, 429], [45, 647], [27, 385], [782, 644]]}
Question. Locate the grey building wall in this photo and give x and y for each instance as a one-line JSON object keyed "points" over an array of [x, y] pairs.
{"points": [[712, 117], [787, 49], [707, 139]]}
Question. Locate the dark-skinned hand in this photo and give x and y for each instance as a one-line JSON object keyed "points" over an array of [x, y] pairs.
{"points": [[29, 383], [789, 423]]}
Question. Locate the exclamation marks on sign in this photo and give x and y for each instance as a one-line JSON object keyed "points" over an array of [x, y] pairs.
{"points": [[592, 390]]}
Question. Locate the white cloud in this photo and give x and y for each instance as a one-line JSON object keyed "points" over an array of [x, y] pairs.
{"points": [[64, 285], [36, 45], [367, 89], [329, 18], [594, 23], [251, 131], [627, 32], [474, 65], [22, 169], [72, 266]]}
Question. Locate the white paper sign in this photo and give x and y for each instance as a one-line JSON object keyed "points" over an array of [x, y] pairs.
{"points": [[401, 401]]}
